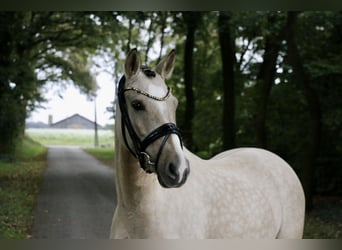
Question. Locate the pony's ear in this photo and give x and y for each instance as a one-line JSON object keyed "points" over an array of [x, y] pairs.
{"points": [[132, 64], [165, 67]]}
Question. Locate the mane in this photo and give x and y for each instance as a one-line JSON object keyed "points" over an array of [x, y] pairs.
{"points": [[148, 71]]}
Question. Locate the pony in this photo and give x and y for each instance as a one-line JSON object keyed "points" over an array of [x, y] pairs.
{"points": [[165, 191]]}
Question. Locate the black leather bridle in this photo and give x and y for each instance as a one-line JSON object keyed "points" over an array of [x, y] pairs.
{"points": [[139, 146]]}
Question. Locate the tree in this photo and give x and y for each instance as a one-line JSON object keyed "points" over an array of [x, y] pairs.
{"points": [[40, 47], [227, 45], [271, 79], [313, 105], [163, 23], [192, 20], [266, 75]]}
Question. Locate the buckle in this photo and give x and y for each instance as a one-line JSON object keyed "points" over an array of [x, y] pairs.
{"points": [[147, 164]]}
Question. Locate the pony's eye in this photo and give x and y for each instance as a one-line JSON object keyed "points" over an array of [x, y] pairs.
{"points": [[137, 105]]}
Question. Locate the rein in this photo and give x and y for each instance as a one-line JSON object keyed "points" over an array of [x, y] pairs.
{"points": [[140, 146]]}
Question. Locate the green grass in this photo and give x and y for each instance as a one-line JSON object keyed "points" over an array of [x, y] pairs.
{"points": [[106, 155], [72, 137], [316, 228], [19, 186], [325, 220]]}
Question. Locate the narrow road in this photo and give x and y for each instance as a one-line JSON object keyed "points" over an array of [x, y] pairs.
{"points": [[77, 198]]}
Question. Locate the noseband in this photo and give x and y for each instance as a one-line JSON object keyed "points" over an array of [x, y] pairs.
{"points": [[140, 146]]}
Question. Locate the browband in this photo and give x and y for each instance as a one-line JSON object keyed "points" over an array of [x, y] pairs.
{"points": [[139, 91]]}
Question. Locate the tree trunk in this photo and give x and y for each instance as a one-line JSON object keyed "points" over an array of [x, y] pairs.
{"points": [[149, 41], [129, 36], [9, 105], [191, 19], [228, 61], [162, 36], [11, 125], [265, 80], [314, 124]]}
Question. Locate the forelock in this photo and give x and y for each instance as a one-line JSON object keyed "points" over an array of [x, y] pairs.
{"points": [[148, 71]]}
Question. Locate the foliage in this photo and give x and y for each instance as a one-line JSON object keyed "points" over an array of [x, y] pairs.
{"points": [[10, 114], [316, 228], [37, 47], [19, 185], [276, 115], [324, 222], [272, 106]]}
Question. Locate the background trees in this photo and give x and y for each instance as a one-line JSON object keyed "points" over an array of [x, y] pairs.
{"points": [[37, 47], [267, 79]]}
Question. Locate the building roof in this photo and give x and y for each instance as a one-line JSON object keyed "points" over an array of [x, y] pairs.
{"points": [[75, 121]]}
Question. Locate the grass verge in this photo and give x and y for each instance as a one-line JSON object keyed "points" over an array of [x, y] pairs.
{"points": [[105, 155], [325, 220], [19, 186], [316, 228]]}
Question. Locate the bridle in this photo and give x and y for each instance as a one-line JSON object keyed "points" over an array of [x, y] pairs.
{"points": [[140, 146]]}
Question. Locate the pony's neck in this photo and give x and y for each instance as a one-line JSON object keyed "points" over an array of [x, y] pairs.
{"points": [[132, 183]]}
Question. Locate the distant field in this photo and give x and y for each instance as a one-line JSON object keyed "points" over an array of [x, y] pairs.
{"points": [[71, 137]]}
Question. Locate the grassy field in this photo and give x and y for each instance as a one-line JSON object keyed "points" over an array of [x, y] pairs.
{"points": [[71, 137], [105, 155], [19, 185]]}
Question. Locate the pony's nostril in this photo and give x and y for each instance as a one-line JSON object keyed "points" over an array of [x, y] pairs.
{"points": [[173, 171]]}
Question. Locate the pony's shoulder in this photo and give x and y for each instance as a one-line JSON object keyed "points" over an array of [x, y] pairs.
{"points": [[241, 150]]}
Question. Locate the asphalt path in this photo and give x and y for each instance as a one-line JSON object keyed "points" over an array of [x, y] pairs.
{"points": [[77, 198]]}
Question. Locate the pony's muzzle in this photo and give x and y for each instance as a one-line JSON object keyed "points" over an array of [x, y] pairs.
{"points": [[185, 173], [175, 175], [173, 171]]}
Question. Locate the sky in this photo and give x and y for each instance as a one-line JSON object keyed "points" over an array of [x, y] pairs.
{"points": [[72, 101]]}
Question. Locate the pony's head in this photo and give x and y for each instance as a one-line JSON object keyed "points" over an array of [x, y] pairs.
{"points": [[148, 120]]}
